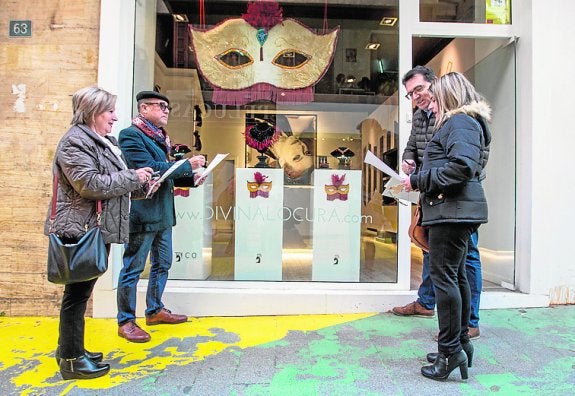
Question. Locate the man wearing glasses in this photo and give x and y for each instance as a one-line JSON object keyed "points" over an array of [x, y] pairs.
{"points": [[417, 82], [151, 220]]}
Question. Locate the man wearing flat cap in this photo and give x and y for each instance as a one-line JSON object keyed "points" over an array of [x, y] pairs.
{"points": [[151, 220]]}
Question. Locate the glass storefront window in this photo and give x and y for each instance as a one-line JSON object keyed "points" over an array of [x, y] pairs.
{"points": [[306, 208], [324, 217], [466, 11]]}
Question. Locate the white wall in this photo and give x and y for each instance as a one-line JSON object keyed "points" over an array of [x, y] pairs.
{"points": [[145, 46], [546, 128], [458, 55], [115, 73]]}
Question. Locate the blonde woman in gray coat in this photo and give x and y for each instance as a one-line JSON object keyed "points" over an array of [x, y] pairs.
{"points": [[90, 167]]}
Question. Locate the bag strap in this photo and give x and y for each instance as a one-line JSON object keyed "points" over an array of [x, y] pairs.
{"points": [[53, 206]]}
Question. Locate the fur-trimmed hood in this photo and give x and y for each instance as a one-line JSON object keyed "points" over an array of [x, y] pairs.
{"points": [[480, 111], [474, 109]]}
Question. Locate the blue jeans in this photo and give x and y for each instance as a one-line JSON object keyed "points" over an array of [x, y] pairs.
{"points": [[159, 245], [426, 291]]}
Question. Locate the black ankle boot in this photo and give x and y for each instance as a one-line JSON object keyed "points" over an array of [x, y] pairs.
{"points": [[468, 348], [444, 365], [96, 357], [82, 368]]}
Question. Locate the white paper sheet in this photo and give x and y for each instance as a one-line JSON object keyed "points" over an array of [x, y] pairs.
{"points": [[371, 159], [172, 168], [213, 163], [218, 158], [394, 187]]}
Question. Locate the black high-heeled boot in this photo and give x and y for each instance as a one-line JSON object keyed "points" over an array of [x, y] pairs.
{"points": [[468, 348], [96, 357], [444, 365], [82, 368]]}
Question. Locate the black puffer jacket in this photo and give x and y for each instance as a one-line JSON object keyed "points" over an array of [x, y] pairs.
{"points": [[88, 171], [449, 179], [421, 133]]}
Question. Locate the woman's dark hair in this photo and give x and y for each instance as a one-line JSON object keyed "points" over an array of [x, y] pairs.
{"points": [[425, 71]]}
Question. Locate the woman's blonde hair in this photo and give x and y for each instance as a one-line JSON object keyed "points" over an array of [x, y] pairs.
{"points": [[452, 91], [88, 102]]}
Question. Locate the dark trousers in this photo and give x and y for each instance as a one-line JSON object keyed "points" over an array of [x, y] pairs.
{"points": [[447, 252], [72, 322]]}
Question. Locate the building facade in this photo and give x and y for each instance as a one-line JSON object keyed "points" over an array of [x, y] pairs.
{"points": [[323, 239]]}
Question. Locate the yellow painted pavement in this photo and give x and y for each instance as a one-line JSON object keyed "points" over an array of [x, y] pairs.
{"points": [[28, 343]]}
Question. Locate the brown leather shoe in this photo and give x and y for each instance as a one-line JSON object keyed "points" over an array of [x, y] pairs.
{"points": [[133, 333], [474, 333], [414, 309], [165, 316]]}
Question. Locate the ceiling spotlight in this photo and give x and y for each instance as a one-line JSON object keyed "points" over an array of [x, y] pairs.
{"points": [[388, 21], [372, 46], [180, 17]]}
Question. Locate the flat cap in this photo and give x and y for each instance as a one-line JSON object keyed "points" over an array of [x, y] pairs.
{"points": [[151, 95]]}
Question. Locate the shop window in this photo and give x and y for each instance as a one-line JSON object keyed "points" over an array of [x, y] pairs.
{"points": [[303, 207], [466, 11]]}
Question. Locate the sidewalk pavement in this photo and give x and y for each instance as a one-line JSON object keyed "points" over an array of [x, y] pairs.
{"points": [[520, 352]]}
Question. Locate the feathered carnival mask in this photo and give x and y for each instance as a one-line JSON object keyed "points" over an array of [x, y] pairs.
{"points": [[337, 190], [259, 187], [262, 56]]}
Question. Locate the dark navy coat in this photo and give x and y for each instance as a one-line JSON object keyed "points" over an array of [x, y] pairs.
{"points": [[449, 179], [156, 213]]}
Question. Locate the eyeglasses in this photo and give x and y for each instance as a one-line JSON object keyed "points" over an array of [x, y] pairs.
{"points": [[417, 90], [162, 105]]}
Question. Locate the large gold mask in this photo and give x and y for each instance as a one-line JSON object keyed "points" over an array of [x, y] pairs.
{"points": [[245, 63]]}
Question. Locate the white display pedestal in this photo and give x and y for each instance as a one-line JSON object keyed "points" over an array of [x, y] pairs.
{"points": [[336, 227], [192, 234], [259, 225]]}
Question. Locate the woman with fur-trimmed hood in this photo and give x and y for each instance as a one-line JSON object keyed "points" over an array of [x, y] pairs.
{"points": [[453, 206]]}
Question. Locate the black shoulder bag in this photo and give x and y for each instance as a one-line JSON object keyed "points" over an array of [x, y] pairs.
{"points": [[84, 260]]}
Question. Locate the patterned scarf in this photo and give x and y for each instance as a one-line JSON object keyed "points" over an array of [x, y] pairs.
{"points": [[159, 135]]}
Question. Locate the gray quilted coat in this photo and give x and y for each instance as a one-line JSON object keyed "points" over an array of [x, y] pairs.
{"points": [[88, 171]]}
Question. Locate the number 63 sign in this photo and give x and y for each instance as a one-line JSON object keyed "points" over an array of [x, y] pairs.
{"points": [[20, 29]]}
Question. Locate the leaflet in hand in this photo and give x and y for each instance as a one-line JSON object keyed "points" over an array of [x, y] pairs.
{"points": [[213, 163], [371, 159], [394, 188], [167, 173]]}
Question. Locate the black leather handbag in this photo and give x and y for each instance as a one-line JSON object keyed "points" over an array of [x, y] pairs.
{"points": [[76, 262]]}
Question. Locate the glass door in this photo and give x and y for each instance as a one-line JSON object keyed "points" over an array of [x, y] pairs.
{"points": [[494, 77], [489, 63]]}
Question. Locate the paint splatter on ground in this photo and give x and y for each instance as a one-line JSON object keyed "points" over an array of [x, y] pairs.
{"points": [[529, 351]]}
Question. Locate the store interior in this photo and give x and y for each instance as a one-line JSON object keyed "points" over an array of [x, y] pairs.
{"points": [[354, 110]]}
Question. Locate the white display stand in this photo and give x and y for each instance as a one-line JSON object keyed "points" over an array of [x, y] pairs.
{"points": [[259, 226], [192, 234], [336, 228]]}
